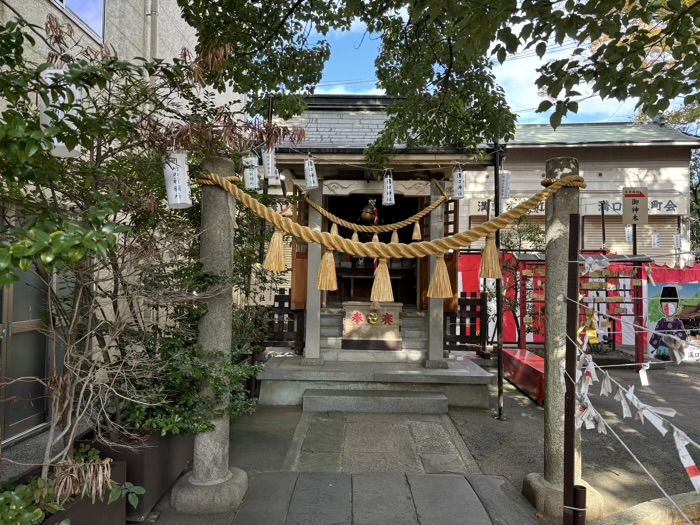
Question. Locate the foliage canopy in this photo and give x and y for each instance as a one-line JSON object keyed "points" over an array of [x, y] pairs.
{"points": [[436, 56]]}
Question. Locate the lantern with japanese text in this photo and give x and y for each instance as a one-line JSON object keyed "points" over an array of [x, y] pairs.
{"points": [[388, 198], [457, 182], [251, 177], [310, 173]]}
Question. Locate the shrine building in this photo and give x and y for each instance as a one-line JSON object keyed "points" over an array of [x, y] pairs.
{"points": [[352, 344]]}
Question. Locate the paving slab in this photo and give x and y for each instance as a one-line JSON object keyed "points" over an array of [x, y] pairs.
{"points": [[382, 499], [321, 499], [447, 500], [267, 499], [442, 464], [324, 435], [430, 437], [320, 461], [397, 461], [504, 503]]}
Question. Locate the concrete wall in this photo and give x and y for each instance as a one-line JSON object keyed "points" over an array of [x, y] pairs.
{"points": [[127, 26]]}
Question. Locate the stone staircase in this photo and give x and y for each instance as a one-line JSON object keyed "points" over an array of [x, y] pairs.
{"points": [[415, 340]]}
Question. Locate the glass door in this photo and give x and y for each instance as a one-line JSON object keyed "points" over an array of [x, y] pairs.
{"points": [[23, 355]]}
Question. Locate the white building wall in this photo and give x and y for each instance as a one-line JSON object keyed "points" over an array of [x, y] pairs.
{"points": [[663, 170]]}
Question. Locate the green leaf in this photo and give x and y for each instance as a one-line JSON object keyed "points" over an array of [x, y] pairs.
{"points": [[501, 54], [573, 106], [544, 106], [555, 119], [133, 499], [541, 49]]}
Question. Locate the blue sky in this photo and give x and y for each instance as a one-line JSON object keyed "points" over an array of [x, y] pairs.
{"points": [[351, 69]]}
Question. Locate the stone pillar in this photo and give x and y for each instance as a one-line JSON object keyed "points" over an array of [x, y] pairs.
{"points": [[312, 348], [212, 487], [436, 345], [546, 492]]}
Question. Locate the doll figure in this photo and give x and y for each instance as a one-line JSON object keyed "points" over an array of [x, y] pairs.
{"points": [[670, 325]]}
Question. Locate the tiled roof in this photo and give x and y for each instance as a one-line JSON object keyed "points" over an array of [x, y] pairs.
{"points": [[350, 123], [607, 133]]}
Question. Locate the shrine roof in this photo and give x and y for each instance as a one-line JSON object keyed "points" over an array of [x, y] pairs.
{"points": [[348, 123]]}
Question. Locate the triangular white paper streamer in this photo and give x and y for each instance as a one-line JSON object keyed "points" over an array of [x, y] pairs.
{"points": [[682, 441]]}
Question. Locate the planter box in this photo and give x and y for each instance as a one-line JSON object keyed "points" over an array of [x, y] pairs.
{"points": [[84, 512], [154, 467]]}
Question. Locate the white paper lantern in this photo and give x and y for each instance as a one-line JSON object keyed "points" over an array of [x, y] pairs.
{"points": [[388, 193], [655, 239], [310, 173], [251, 175], [177, 181], [457, 183], [57, 99], [629, 235], [270, 164]]}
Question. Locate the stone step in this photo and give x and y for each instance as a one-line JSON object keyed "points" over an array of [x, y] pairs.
{"points": [[331, 331], [415, 344], [414, 333], [332, 320], [414, 322], [375, 401], [331, 342], [374, 356]]}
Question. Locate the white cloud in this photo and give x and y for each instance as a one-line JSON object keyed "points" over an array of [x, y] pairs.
{"points": [[343, 90], [517, 76]]}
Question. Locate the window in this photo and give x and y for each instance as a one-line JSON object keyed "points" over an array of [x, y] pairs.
{"points": [[89, 13]]}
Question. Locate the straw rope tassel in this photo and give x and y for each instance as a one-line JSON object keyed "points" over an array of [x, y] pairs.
{"points": [[274, 261], [440, 286], [490, 261], [355, 237], [375, 238], [326, 273], [416, 232], [395, 236], [381, 289]]}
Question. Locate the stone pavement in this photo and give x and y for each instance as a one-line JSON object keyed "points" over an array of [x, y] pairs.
{"points": [[401, 443], [325, 498], [316, 468]]}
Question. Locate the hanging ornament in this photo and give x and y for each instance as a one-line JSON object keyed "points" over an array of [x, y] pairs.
{"points": [[47, 112], [505, 185], [177, 181], [457, 182], [655, 239], [388, 193], [629, 235], [270, 164], [682, 441], [678, 241], [310, 173], [251, 176]]}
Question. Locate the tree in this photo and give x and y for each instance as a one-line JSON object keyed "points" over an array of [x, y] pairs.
{"points": [[436, 55]]}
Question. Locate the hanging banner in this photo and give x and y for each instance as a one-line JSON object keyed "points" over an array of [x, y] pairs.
{"points": [[682, 441], [635, 206]]}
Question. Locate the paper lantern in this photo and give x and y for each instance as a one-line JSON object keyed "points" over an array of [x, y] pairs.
{"points": [[177, 181], [388, 193], [457, 182], [251, 176], [57, 99], [270, 164], [310, 173]]}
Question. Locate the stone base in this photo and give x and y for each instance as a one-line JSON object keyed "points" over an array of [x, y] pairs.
{"points": [[435, 363], [548, 498], [312, 361], [225, 496]]}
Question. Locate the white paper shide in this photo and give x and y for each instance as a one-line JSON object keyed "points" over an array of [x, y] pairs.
{"points": [[251, 177], [177, 181]]}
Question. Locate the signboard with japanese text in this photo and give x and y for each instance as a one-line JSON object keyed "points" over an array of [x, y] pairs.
{"points": [[635, 206], [592, 205], [365, 328]]}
